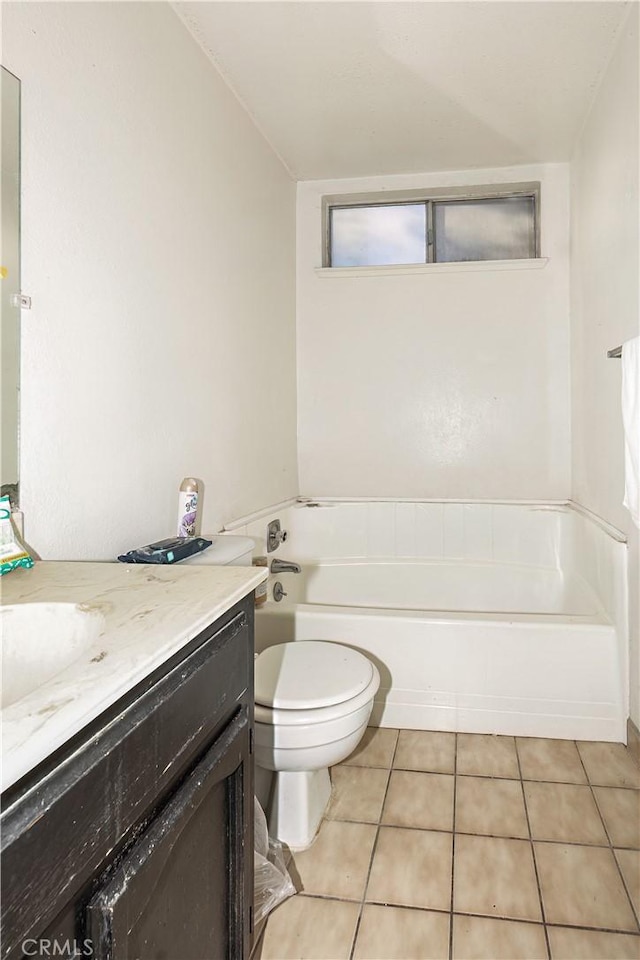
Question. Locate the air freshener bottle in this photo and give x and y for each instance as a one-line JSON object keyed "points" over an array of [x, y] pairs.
{"points": [[188, 507]]}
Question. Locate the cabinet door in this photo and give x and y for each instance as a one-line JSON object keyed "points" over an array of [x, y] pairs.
{"points": [[180, 892]]}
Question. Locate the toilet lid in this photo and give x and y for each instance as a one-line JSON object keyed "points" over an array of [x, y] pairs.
{"points": [[309, 673]]}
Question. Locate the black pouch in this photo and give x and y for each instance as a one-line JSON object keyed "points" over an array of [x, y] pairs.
{"points": [[171, 550]]}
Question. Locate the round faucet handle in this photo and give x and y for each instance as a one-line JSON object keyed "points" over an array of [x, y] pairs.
{"points": [[278, 591]]}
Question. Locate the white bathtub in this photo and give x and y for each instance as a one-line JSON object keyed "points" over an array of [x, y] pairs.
{"points": [[512, 621], [442, 585]]}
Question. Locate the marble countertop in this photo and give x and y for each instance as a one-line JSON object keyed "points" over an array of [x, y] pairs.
{"points": [[149, 612]]}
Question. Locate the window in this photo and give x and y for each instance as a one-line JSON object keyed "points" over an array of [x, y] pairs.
{"points": [[499, 223], [379, 234]]}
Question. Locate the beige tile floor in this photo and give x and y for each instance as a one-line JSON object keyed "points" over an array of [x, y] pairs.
{"points": [[460, 846]]}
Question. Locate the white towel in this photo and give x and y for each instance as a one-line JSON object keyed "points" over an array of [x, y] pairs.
{"points": [[631, 422]]}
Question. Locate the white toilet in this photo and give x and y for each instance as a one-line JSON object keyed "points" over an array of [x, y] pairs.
{"points": [[225, 550], [313, 701]]}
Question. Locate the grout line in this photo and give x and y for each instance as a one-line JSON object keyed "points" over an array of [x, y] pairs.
{"points": [[610, 842], [533, 851], [453, 843], [484, 776], [481, 916], [489, 836], [568, 783], [636, 913], [616, 930], [373, 849]]}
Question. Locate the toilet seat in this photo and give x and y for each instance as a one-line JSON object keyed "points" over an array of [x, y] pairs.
{"points": [[271, 716], [310, 675]]}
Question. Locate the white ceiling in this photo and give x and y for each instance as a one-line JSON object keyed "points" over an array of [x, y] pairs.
{"points": [[347, 89]]}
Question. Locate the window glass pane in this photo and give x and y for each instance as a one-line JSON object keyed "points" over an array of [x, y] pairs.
{"points": [[370, 236], [502, 229]]}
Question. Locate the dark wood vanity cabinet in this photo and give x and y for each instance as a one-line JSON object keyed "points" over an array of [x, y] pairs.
{"points": [[137, 840]]}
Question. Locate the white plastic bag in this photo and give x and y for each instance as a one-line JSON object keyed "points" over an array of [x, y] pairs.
{"points": [[272, 883]]}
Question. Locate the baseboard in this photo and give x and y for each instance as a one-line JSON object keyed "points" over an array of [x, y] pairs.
{"points": [[413, 716], [633, 740]]}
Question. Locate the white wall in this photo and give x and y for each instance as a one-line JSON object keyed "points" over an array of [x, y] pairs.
{"points": [[604, 301], [158, 247], [435, 384]]}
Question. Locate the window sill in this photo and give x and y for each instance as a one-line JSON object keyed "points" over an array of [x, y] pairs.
{"points": [[411, 269]]}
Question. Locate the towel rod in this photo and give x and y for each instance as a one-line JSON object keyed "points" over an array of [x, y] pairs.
{"points": [[617, 352]]}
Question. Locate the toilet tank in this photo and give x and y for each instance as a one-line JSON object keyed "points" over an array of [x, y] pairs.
{"points": [[225, 551]]}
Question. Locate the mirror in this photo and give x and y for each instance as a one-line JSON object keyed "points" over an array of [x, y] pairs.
{"points": [[10, 281]]}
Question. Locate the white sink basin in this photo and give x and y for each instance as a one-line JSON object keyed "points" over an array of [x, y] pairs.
{"points": [[39, 641]]}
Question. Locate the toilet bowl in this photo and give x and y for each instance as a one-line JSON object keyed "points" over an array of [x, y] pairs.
{"points": [[313, 702]]}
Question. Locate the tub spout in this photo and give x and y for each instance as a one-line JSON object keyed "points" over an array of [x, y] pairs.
{"points": [[284, 566]]}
